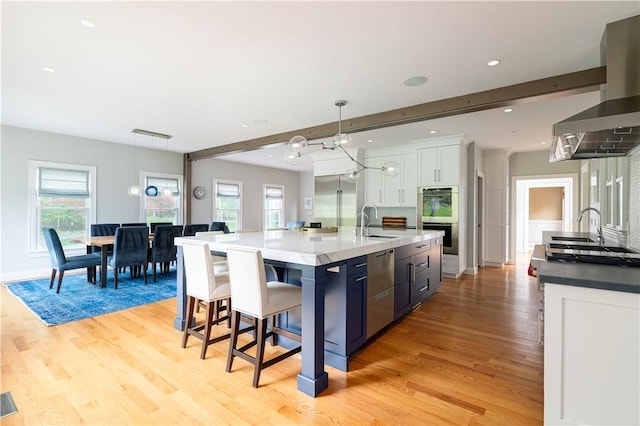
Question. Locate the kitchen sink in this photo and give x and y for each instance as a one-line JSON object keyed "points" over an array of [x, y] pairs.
{"points": [[579, 239], [594, 247]]}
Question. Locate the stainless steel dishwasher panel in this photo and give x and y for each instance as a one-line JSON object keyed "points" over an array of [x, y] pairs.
{"points": [[379, 290], [379, 271]]}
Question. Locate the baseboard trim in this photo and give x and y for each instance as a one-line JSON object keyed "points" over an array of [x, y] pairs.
{"points": [[494, 264]]}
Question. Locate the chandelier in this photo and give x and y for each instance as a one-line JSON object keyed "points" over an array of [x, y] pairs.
{"points": [[298, 145]]}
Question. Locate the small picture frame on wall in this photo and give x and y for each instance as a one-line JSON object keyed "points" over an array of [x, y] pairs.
{"points": [[308, 203]]}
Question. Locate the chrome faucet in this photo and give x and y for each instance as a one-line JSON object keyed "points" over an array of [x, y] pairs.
{"points": [[363, 216], [582, 212]]}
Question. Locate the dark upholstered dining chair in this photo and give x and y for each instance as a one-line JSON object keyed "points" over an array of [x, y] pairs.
{"points": [[61, 263], [134, 224], [191, 229], [153, 225], [163, 250], [219, 226], [101, 230], [130, 248]]}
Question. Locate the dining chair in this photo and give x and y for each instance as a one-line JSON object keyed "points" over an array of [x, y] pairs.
{"points": [[153, 225], [61, 263], [135, 224], [253, 296], [101, 230], [219, 226], [130, 248], [190, 229], [163, 249], [204, 286]]}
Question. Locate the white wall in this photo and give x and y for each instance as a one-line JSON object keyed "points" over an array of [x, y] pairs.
{"points": [[203, 172], [634, 201], [115, 172]]}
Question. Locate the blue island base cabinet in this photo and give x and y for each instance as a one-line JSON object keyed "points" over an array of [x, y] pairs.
{"points": [[345, 310]]}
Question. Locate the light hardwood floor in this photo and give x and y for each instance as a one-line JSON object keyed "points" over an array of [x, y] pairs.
{"points": [[465, 357]]}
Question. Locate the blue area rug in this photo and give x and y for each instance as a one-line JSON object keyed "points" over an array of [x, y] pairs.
{"points": [[79, 299]]}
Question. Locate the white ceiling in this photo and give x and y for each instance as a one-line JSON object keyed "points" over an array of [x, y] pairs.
{"points": [[200, 70]]}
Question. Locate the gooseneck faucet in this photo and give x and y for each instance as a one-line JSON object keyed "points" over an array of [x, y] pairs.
{"points": [[363, 216], [582, 212]]}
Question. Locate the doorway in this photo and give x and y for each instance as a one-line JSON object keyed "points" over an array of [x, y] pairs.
{"points": [[480, 219], [542, 203]]}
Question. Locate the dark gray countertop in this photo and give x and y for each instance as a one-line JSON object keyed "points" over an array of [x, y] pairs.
{"points": [[603, 277]]}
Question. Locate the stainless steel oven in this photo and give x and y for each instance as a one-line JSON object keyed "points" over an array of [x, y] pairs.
{"points": [[438, 210]]}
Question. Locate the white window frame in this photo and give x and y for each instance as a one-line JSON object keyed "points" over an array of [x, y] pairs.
{"points": [[264, 205], [34, 211], [215, 196], [143, 182]]}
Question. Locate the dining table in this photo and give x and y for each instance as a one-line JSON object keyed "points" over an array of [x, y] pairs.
{"points": [[105, 242]]}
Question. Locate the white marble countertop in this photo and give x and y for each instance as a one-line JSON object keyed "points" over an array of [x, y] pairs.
{"points": [[316, 249]]}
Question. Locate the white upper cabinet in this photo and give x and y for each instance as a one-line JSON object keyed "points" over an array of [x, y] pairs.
{"points": [[396, 191], [439, 165]]}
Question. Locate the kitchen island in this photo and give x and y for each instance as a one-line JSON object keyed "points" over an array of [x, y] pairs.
{"points": [[591, 340], [307, 259]]}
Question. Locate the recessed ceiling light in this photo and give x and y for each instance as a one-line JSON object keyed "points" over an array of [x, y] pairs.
{"points": [[543, 143], [433, 132], [48, 69], [270, 155], [370, 141], [88, 23], [508, 109], [493, 62], [244, 125], [415, 80]]}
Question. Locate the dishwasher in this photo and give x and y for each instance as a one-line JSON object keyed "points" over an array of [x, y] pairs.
{"points": [[379, 290]]}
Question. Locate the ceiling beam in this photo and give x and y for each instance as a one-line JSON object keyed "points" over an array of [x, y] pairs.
{"points": [[537, 90]]}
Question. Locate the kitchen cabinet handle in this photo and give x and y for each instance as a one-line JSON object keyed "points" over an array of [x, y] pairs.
{"points": [[421, 246], [361, 278], [422, 265], [381, 254], [423, 288], [381, 296], [360, 265], [410, 272]]}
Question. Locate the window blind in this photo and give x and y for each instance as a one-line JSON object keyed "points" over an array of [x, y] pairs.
{"points": [[231, 190], [273, 192], [164, 183], [63, 183]]}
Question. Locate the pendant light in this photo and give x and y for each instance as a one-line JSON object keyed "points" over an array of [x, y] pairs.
{"points": [[299, 145]]}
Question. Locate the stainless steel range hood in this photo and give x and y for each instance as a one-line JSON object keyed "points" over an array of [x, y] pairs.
{"points": [[611, 128]]}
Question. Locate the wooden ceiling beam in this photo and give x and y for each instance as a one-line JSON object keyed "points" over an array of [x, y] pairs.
{"points": [[546, 88]]}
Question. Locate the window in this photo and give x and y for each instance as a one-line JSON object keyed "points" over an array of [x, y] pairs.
{"points": [[273, 206], [166, 206], [63, 198], [227, 203]]}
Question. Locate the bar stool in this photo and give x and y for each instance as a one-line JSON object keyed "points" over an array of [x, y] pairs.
{"points": [[261, 300], [203, 285]]}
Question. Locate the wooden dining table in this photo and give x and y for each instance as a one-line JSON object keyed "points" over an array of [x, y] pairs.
{"points": [[105, 242]]}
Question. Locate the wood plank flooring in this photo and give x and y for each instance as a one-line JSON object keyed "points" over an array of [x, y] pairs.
{"points": [[468, 356]]}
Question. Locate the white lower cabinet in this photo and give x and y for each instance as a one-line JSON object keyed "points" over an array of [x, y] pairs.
{"points": [[591, 356]]}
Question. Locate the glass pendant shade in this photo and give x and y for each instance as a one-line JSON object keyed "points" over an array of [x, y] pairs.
{"points": [[390, 169], [298, 143], [134, 190], [342, 139], [291, 158], [352, 176]]}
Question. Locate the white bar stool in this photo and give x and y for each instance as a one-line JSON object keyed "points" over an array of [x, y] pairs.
{"points": [[203, 285], [253, 296]]}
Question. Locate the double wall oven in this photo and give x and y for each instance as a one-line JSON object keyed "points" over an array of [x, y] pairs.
{"points": [[438, 210]]}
